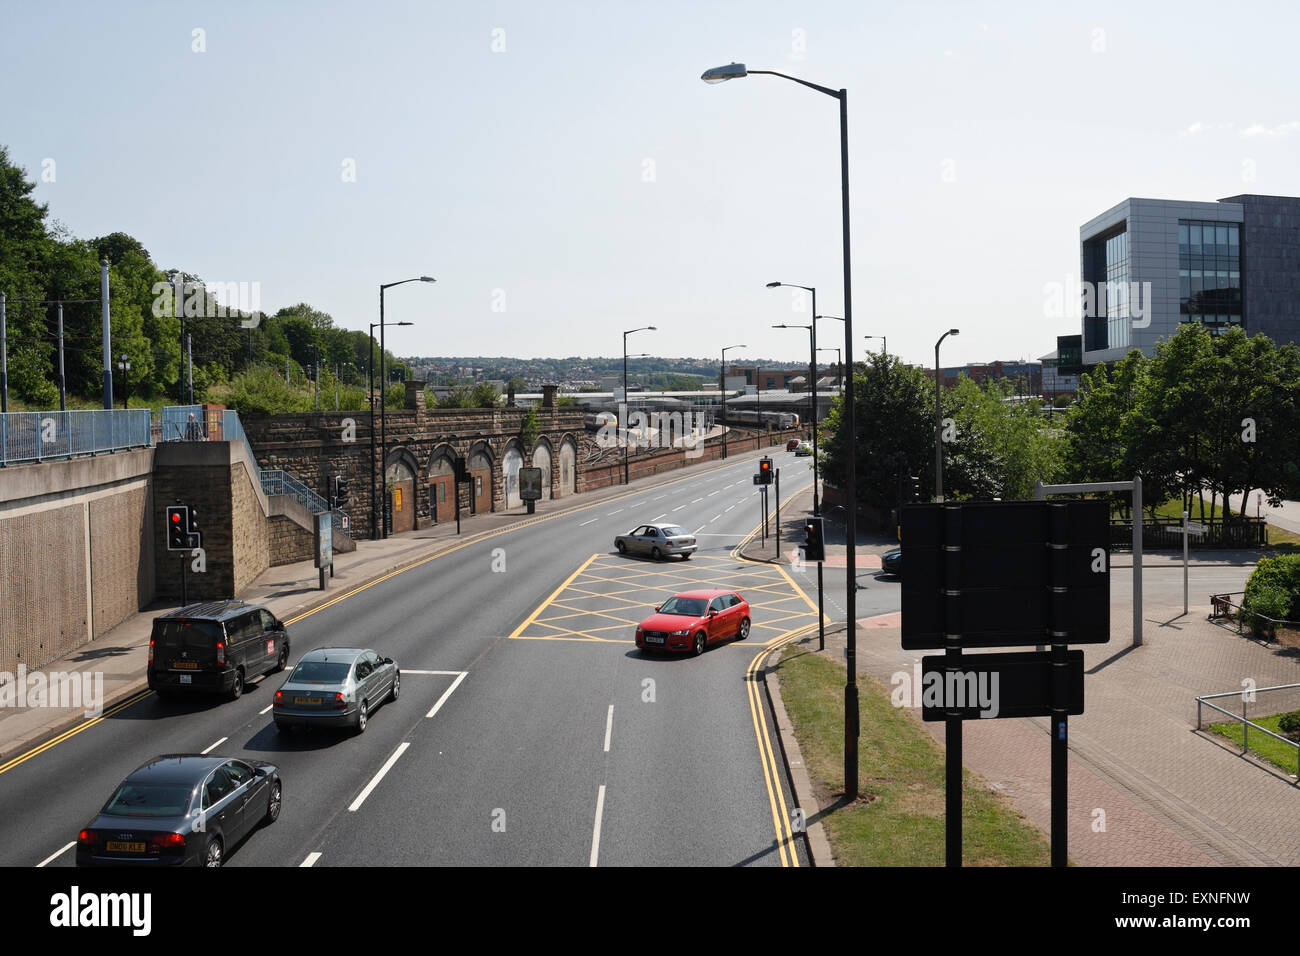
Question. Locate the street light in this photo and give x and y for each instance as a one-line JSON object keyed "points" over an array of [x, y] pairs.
{"points": [[644, 328], [370, 374], [839, 365], [812, 371], [938, 418], [735, 71], [383, 382], [884, 343], [124, 366], [722, 393]]}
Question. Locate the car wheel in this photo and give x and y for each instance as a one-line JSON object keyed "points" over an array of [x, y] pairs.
{"points": [[362, 717], [656, 553], [283, 662], [237, 691], [273, 804], [622, 548], [212, 855], [744, 630], [397, 685], [698, 648]]}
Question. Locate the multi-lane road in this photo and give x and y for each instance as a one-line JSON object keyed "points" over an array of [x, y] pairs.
{"points": [[529, 729]]}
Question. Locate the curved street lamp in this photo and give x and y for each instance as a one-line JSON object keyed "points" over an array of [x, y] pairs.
{"points": [[938, 417], [722, 393], [734, 71], [623, 417], [383, 419]]}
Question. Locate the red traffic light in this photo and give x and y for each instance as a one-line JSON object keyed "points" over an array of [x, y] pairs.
{"points": [[175, 517]]}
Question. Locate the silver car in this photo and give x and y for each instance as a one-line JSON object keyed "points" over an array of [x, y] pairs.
{"points": [[336, 687], [657, 540]]}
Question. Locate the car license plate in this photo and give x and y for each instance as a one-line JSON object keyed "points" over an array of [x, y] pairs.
{"points": [[655, 640], [187, 678], [307, 701], [122, 846], [185, 665]]}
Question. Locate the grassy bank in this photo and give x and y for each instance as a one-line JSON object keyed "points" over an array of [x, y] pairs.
{"points": [[899, 817], [1280, 755]]}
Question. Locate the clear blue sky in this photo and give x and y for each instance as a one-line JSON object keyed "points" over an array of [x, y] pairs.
{"points": [[586, 172]]}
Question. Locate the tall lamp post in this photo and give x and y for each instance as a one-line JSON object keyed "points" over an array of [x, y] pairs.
{"points": [[370, 376], [884, 343], [383, 382], [812, 372], [644, 328], [938, 418], [722, 393], [735, 71], [839, 361], [124, 366]]}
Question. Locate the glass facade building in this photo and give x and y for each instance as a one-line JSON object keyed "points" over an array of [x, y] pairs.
{"points": [[1209, 273]]}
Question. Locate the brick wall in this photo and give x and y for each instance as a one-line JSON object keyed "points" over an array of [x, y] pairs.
{"points": [[288, 543]]}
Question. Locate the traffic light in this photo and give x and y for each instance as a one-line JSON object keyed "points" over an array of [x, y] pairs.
{"points": [[765, 471], [178, 527], [341, 492], [814, 547]]}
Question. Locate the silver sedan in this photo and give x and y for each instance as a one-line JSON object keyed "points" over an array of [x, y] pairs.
{"points": [[657, 540], [336, 687]]}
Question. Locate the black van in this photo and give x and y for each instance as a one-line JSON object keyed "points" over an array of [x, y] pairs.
{"points": [[214, 648]]}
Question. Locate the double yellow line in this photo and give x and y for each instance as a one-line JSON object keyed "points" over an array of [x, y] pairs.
{"points": [[67, 734]]}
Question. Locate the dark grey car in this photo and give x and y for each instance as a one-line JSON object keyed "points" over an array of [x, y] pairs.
{"points": [[657, 540], [336, 687]]}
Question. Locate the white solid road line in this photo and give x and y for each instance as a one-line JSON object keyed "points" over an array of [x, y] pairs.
{"points": [[438, 673], [595, 836], [216, 745], [265, 709], [585, 523], [54, 856], [609, 726], [374, 782], [445, 694], [310, 861]]}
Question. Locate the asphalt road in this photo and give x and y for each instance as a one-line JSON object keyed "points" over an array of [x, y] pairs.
{"points": [[501, 750]]}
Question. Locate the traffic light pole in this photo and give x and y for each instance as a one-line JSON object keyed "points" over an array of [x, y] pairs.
{"points": [[778, 513]]}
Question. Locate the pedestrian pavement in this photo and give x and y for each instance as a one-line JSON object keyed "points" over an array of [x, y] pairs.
{"points": [[1145, 787], [117, 659]]}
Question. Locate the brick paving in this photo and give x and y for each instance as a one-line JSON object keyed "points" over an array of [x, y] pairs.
{"points": [[1146, 789]]}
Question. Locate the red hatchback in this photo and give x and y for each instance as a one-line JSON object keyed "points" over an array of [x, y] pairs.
{"points": [[693, 620]]}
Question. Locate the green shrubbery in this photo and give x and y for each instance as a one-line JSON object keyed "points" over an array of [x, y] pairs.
{"points": [[1274, 588], [1289, 723]]}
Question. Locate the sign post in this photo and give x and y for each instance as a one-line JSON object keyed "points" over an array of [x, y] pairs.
{"points": [[1188, 528]]}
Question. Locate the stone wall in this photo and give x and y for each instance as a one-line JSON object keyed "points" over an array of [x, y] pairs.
{"points": [[315, 447], [609, 469], [75, 553], [289, 543]]}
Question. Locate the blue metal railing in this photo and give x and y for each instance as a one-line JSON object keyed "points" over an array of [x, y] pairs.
{"points": [[194, 423], [42, 436]]}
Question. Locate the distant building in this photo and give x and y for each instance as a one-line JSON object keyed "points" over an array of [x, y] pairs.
{"points": [[1149, 265], [1029, 375], [1055, 383]]}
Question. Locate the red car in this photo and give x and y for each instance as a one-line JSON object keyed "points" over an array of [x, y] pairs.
{"points": [[792, 444], [693, 620]]}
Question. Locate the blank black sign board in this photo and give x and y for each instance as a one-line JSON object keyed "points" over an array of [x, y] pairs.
{"points": [[1016, 588], [1017, 684]]}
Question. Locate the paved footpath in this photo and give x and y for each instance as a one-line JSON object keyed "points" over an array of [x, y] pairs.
{"points": [[1145, 788]]}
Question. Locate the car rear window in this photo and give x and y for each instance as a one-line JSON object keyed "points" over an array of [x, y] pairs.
{"points": [[320, 672], [672, 531], [687, 607], [149, 800], [192, 636]]}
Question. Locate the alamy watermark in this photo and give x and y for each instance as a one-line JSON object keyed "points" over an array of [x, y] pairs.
{"points": [[209, 300], [946, 689], [56, 689], [654, 429], [1134, 298]]}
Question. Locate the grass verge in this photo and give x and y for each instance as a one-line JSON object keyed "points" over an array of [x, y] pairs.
{"points": [[1280, 755], [898, 819]]}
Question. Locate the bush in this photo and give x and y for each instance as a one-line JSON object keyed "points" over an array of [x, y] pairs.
{"points": [[1274, 587], [1289, 723]]}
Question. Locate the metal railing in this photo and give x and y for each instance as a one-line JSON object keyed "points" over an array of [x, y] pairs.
{"points": [[1222, 607], [1162, 533], [1247, 725], [43, 436], [194, 423]]}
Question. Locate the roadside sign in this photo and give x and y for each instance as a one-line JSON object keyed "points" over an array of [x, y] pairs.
{"points": [[530, 484], [324, 539], [1196, 528], [1017, 684]]}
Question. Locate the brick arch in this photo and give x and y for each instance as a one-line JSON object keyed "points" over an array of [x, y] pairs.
{"points": [[512, 459], [400, 472], [484, 484], [543, 457], [440, 479], [567, 467]]}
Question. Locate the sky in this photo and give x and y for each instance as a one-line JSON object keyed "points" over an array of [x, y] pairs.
{"points": [[564, 174]]}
